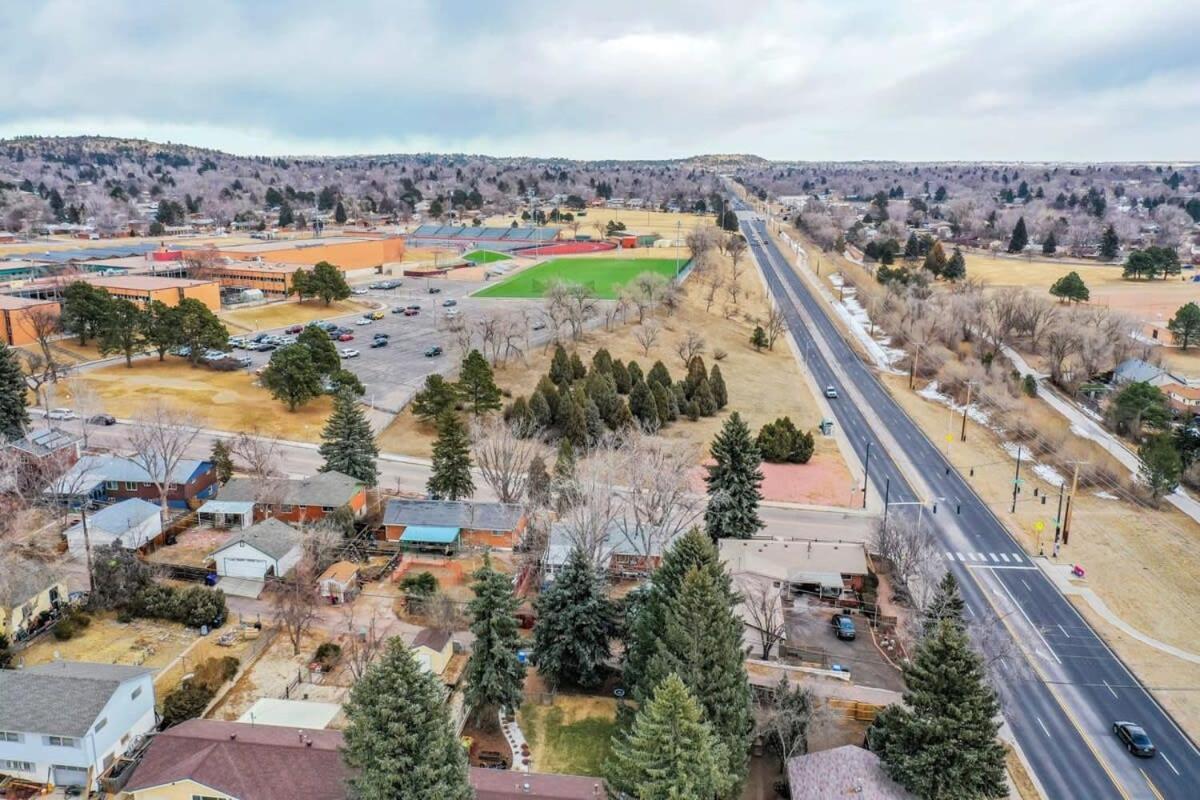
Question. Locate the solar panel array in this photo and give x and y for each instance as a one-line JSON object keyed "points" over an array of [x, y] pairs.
{"points": [[91, 253], [463, 233]]}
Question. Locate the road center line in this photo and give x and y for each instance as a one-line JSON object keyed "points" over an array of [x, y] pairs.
{"points": [[1064, 631], [1045, 730], [1110, 689]]}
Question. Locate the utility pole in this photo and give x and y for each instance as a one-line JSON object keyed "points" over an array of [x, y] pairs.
{"points": [[866, 466], [1066, 531], [1058, 516], [1016, 481], [912, 367], [887, 493], [963, 436]]}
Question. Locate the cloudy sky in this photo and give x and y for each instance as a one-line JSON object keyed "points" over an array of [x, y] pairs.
{"points": [[831, 79]]}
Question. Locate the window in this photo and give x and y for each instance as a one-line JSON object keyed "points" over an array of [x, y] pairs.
{"points": [[100, 725], [10, 736], [112, 486], [286, 508], [124, 740], [174, 487], [131, 486], [16, 766], [61, 741], [327, 509], [206, 797], [136, 693]]}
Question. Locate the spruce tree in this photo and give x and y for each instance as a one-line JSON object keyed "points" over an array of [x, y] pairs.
{"points": [[733, 483], [942, 744], [451, 478], [644, 408], [946, 604], [1050, 244], [704, 398], [758, 339], [552, 397], [716, 382], [14, 415], [574, 623], [956, 267], [578, 370], [347, 443], [659, 374], [494, 677], [602, 361], [399, 740], [662, 403], [222, 461], [477, 385], [560, 367], [695, 374], [1110, 244], [620, 376], [602, 390], [593, 422], [574, 422], [539, 410], [1020, 237], [562, 483], [635, 373], [537, 483], [670, 752]]}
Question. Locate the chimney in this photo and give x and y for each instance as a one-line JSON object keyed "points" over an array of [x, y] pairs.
{"points": [[232, 736]]}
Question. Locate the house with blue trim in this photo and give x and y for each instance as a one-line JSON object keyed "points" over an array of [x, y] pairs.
{"points": [[103, 479]]}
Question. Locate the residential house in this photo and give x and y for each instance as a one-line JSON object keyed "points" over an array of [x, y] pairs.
{"points": [[846, 771], [299, 500], [1184, 399], [433, 648], [131, 524], [66, 722], [217, 760], [1135, 370], [110, 478], [800, 566], [492, 524], [28, 590], [625, 556], [267, 548], [339, 583], [46, 445]]}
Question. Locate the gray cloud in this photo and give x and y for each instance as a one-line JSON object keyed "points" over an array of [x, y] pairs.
{"points": [[935, 79]]}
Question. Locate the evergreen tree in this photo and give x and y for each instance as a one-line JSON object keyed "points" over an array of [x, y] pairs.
{"points": [[912, 248], [286, 216], [495, 676], [941, 744], [539, 410], [574, 422], [291, 377], [327, 282], [1185, 325], [1161, 464], [946, 604], [537, 483], [1071, 287], [644, 408], [635, 373], [399, 740], [123, 329], [758, 339], [519, 418], [84, 310], [602, 390], [322, 349], [935, 259], [562, 483], [1050, 244], [602, 361], [956, 267], [695, 374], [339, 214], [1110, 244], [437, 397], [476, 384], [1020, 237], [578, 370], [733, 483], [782, 442], [660, 375], [593, 422], [552, 396], [560, 367], [705, 401], [670, 752], [222, 460], [717, 384], [347, 444], [621, 377], [199, 329], [14, 415], [451, 478], [662, 404], [160, 327], [574, 623]]}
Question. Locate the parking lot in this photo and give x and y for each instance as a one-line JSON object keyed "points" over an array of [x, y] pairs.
{"points": [[393, 373], [809, 630]]}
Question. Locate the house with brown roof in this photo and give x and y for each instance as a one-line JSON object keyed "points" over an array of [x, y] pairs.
{"points": [[846, 771], [339, 582], [433, 648], [297, 501]]}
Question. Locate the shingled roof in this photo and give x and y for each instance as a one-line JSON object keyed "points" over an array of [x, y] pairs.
{"points": [[326, 489], [453, 514], [62, 698]]}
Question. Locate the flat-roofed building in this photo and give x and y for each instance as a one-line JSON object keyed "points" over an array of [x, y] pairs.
{"points": [[345, 252], [268, 277], [18, 315], [169, 291]]}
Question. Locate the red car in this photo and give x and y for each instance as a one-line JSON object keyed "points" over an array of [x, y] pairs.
{"points": [[346, 337], [296, 329], [411, 312]]}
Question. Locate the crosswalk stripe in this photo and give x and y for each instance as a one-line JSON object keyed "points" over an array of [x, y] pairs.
{"points": [[960, 557], [974, 556], [1004, 557], [992, 556], [1017, 557]]}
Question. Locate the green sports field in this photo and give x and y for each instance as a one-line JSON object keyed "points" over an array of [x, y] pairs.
{"points": [[605, 276], [486, 257]]}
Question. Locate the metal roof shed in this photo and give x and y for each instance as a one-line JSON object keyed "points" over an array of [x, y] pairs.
{"points": [[430, 537]]}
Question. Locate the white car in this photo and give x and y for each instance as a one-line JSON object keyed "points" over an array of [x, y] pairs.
{"points": [[348, 352], [363, 321], [60, 413], [358, 291]]}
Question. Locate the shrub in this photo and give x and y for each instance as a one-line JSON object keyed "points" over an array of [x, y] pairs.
{"points": [[720, 355], [422, 583], [328, 654], [186, 702], [194, 606], [212, 673], [65, 630], [782, 442]]}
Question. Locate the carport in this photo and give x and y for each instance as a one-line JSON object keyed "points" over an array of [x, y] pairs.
{"points": [[232, 514], [430, 537]]}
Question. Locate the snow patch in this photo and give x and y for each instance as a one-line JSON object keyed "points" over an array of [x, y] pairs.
{"points": [[1106, 495], [1049, 474]]}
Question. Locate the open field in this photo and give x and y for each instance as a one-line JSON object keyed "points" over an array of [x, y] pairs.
{"points": [[572, 736], [423, 254], [636, 221], [142, 642], [223, 400], [288, 312], [604, 276], [486, 257]]}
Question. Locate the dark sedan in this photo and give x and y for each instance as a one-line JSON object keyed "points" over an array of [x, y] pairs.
{"points": [[1135, 739], [102, 419]]}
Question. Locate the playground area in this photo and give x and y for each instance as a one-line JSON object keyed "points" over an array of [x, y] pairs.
{"points": [[604, 276]]}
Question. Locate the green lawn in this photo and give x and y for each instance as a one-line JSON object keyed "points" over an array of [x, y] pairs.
{"points": [[486, 257], [605, 276], [571, 737]]}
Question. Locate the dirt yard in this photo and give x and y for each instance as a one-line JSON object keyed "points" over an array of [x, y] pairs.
{"points": [[192, 547], [201, 649], [223, 400], [272, 673], [288, 312], [142, 642]]}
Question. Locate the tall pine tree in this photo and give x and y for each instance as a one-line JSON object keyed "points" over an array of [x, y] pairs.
{"points": [[733, 483], [399, 741], [1020, 237], [451, 478], [1110, 244], [347, 443], [941, 744], [476, 384], [574, 623], [14, 415], [222, 460], [494, 674], [946, 604], [670, 752]]}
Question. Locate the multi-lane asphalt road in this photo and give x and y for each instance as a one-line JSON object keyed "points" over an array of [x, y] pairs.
{"points": [[1061, 687]]}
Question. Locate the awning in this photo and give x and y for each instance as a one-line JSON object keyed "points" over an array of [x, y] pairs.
{"points": [[826, 580], [229, 507], [429, 534]]}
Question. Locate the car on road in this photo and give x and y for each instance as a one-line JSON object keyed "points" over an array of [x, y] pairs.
{"points": [[376, 315], [451, 313], [379, 343], [102, 419], [381, 336], [348, 352], [358, 291], [60, 413], [831, 392], [843, 627], [539, 326], [1135, 739], [435, 290], [363, 321], [296, 329], [433, 352], [345, 337], [448, 302]]}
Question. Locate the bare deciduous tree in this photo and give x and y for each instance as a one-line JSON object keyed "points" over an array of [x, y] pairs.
{"points": [[911, 552], [656, 502], [690, 346], [503, 455], [160, 439], [646, 335], [762, 610], [362, 640], [294, 603], [775, 325], [736, 248], [44, 322], [258, 453]]}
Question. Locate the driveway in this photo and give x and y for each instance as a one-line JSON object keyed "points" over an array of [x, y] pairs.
{"points": [[809, 629]]}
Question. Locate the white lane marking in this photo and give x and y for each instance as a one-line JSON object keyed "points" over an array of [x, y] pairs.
{"points": [[1001, 566], [1169, 764], [1064, 631], [1004, 557], [1110, 689], [1043, 726], [1017, 557], [1028, 588], [973, 556], [992, 556], [1021, 611]]}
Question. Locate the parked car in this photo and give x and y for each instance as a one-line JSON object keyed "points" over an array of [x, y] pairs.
{"points": [[381, 336], [451, 313], [358, 291], [60, 413], [843, 627], [244, 361], [348, 352], [539, 326], [102, 419], [263, 347], [238, 342], [375, 315], [329, 327], [363, 321], [376, 285], [414, 306], [296, 329], [1135, 739], [831, 392], [215, 355], [433, 352], [398, 309], [262, 337], [449, 301], [181, 351], [284, 341], [435, 290], [411, 312], [379, 343]]}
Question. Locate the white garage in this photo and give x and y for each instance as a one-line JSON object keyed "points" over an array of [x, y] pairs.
{"points": [[266, 548]]}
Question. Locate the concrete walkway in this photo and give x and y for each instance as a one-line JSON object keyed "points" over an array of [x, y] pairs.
{"points": [[1061, 575]]}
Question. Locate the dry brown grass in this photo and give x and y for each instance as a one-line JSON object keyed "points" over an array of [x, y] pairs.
{"points": [[288, 312], [663, 223], [142, 642]]}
